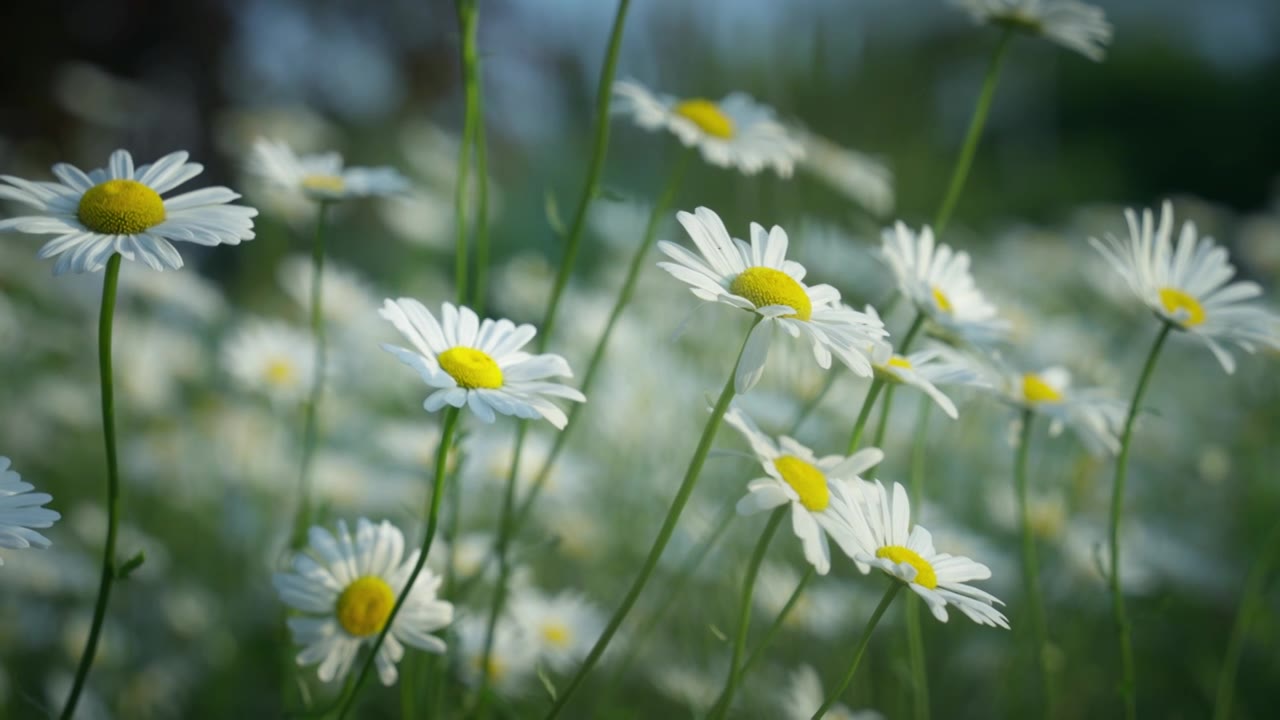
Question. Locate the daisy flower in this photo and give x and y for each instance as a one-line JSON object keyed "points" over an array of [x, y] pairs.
{"points": [[1074, 25], [118, 209], [1092, 414], [272, 358], [1190, 285], [804, 695], [20, 511], [735, 132], [322, 177], [937, 281], [512, 660], [813, 487], [479, 364], [562, 627], [907, 554], [346, 588], [924, 370], [758, 278]]}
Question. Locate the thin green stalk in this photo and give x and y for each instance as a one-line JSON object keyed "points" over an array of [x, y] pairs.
{"points": [[894, 587], [887, 405], [310, 422], [664, 535], [467, 23], [1251, 602], [757, 653], [744, 613], [861, 423], [916, 475], [1030, 567], [432, 512], [974, 134], [1128, 684], [475, 83], [813, 402], [500, 589], [110, 281], [916, 659]]}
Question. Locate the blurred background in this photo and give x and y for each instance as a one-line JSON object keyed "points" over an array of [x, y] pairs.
{"points": [[1186, 105]]}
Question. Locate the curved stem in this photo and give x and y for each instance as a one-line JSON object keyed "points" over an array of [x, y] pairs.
{"points": [[886, 406], [744, 612], [664, 535], [974, 134], [467, 24], [1250, 603], [861, 423], [757, 653], [1128, 681], [1030, 567], [894, 587], [302, 518], [110, 281], [500, 589], [451, 416]]}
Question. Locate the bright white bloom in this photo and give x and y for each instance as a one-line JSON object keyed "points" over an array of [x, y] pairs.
{"points": [[272, 358], [1093, 415], [511, 662], [815, 488], [118, 209], [936, 279], [562, 628], [322, 177], [1073, 25], [479, 364], [1190, 285], [347, 587], [759, 278], [804, 695], [733, 132], [890, 543], [20, 511]]}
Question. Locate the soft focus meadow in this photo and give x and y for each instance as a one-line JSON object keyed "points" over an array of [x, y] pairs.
{"points": [[609, 359]]}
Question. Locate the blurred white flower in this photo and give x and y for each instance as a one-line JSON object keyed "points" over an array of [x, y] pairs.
{"points": [[21, 511], [322, 176], [804, 695], [1074, 25], [859, 177], [511, 661], [1092, 414], [562, 627], [347, 301], [272, 358]]}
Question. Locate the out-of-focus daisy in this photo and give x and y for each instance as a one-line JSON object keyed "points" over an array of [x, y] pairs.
{"points": [[758, 278], [1092, 414], [906, 553], [20, 511], [804, 695], [562, 627], [861, 178], [511, 661], [735, 132], [936, 279], [479, 364], [1073, 25], [118, 209], [1190, 285], [322, 176], [271, 357], [347, 586], [348, 300], [814, 488]]}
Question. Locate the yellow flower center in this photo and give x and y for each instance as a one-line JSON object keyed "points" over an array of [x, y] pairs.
{"points": [[765, 286], [363, 608], [471, 368], [943, 302], [280, 372], [708, 116], [557, 634], [324, 184], [120, 207], [1036, 390], [925, 576], [808, 482], [899, 361], [495, 670], [1174, 300]]}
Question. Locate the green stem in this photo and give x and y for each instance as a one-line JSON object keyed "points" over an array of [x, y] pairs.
{"points": [[1030, 567], [451, 416], [976, 123], [110, 281], [1128, 680], [475, 104], [1252, 601], [916, 659], [505, 528], [887, 405], [744, 612], [757, 653], [664, 535], [916, 475], [813, 402], [310, 422], [861, 423], [894, 587], [467, 22]]}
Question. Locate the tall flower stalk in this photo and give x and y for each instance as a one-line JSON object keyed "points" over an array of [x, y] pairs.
{"points": [[1030, 565], [468, 17], [859, 649]]}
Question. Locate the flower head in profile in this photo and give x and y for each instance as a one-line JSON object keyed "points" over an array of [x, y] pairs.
{"points": [[119, 209], [21, 511], [759, 278], [272, 358], [1074, 25], [562, 627], [936, 279], [479, 365], [814, 488], [1092, 414], [906, 553], [346, 587], [925, 370], [322, 176], [1189, 285], [735, 132]]}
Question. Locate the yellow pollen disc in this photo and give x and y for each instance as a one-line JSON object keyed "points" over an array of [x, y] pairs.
{"points": [[765, 286], [120, 207], [707, 116], [279, 372], [363, 608], [925, 576], [324, 183], [557, 634], [471, 368], [899, 362], [1036, 390], [943, 302], [1174, 300], [808, 482]]}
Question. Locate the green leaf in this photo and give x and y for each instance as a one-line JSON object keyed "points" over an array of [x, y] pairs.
{"points": [[546, 682], [718, 633], [553, 214], [133, 563]]}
